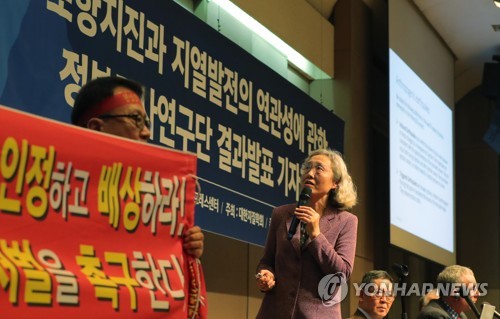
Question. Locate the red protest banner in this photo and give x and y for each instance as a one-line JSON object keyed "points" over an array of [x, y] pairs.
{"points": [[91, 224]]}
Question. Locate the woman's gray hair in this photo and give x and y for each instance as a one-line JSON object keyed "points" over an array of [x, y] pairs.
{"points": [[345, 195]]}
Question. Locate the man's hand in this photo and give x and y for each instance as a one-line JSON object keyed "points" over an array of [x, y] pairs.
{"points": [[193, 241]]}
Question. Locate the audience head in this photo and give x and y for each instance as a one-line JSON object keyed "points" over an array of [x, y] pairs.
{"points": [[377, 296], [453, 279], [112, 105]]}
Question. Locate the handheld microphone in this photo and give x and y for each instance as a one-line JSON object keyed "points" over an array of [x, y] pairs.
{"points": [[495, 313], [465, 295], [304, 197]]}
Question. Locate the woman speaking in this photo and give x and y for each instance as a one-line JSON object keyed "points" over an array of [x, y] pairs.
{"points": [[290, 270]]}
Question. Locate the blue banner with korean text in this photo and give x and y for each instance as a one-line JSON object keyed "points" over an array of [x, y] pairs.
{"points": [[249, 127]]}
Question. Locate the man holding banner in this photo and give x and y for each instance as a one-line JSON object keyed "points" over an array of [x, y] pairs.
{"points": [[89, 231], [113, 105]]}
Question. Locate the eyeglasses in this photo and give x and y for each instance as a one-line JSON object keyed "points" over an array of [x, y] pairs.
{"points": [[139, 120], [318, 167], [389, 296]]}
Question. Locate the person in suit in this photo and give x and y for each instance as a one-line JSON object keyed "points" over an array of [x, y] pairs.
{"points": [[376, 296], [113, 105], [290, 271], [450, 304]]}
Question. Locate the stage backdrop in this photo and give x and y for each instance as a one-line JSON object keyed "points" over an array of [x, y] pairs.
{"points": [[88, 230], [249, 127]]}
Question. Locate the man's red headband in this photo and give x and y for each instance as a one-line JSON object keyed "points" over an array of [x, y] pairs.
{"points": [[118, 99]]}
